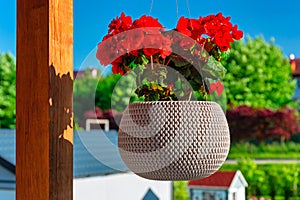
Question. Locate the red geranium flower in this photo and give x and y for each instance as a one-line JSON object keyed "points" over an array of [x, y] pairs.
{"points": [[213, 33], [186, 43], [119, 24], [121, 47], [223, 40], [146, 21], [166, 49], [116, 69], [218, 87], [131, 45], [236, 34], [134, 53], [134, 39], [106, 51], [183, 26], [152, 44]]}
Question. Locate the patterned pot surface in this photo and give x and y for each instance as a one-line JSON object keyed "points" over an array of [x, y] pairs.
{"points": [[174, 140]]}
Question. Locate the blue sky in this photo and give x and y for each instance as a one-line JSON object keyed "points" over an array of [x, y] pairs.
{"points": [[270, 18]]}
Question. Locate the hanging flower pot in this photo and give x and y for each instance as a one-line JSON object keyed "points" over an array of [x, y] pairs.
{"points": [[166, 136], [174, 140]]}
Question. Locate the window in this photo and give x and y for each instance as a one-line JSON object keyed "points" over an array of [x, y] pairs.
{"points": [[234, 196], [209, 195]]}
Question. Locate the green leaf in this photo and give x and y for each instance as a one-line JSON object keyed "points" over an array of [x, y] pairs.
{"points": [[132, 65], [144, 59], [225, 55]]}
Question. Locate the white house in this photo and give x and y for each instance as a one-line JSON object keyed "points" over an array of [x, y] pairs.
{"points": [[222, 185], [121, 186], [99, 172]]}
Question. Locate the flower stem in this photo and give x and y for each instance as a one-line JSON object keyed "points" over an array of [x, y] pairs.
{"points": [[190, 95], [152, 67]]}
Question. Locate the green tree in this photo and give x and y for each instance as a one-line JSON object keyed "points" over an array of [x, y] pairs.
{"points": [[258, 75], [105, 90], [83, 92], [7, 91], [115, 92], [290, 179], [256, 177], [180, 190]]}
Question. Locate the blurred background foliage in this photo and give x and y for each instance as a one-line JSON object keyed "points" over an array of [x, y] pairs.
{"points": [[258, 75], [7, 91]]}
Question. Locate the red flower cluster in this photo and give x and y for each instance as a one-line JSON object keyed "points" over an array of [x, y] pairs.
{"points": [[214, 28], [144, 33], [127, 39], [119, 25]]}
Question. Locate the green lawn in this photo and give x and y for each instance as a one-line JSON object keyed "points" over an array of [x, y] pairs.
{"points": [[274, 150], [265, 167]]}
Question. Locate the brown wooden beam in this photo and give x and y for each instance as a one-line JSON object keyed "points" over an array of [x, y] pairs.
{"points": [[44, 164]]}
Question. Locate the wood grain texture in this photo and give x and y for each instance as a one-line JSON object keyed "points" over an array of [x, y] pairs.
{"points": [[44, 167]]}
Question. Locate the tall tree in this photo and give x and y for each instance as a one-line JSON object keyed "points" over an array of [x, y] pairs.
{"points": [[258, 75], [7, 91]]}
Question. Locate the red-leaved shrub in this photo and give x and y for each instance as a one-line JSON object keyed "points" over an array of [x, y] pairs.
{"points": [[248, 123]]}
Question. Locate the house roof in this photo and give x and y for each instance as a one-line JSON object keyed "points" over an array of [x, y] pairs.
{"points": [[90, 71], [295, 64], [79, 73], [150, 195], [95, 153], [220, 179], [7, 180]]}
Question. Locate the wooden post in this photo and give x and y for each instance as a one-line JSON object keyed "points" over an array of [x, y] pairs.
{"points": [[44, 169]]}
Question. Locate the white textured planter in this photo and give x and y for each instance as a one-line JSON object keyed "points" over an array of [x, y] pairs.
{"points": [[174, 140]]}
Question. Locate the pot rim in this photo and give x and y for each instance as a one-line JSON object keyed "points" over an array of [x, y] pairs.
{"points": [[175, 102]]}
